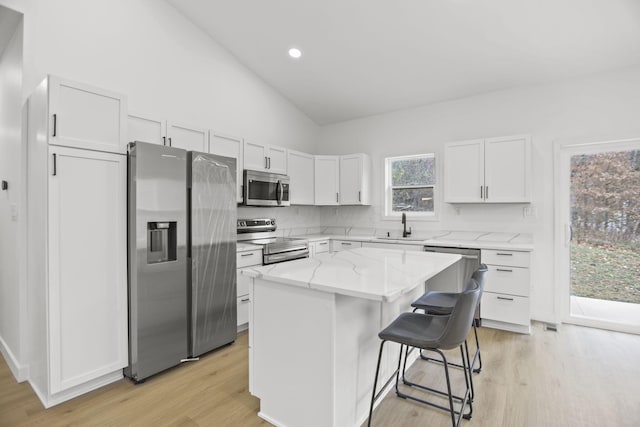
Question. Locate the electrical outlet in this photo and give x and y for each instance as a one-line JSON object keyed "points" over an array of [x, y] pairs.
{"points": [[529, 211]]}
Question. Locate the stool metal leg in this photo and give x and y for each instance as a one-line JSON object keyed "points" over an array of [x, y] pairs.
{"points": [[375, 383]]}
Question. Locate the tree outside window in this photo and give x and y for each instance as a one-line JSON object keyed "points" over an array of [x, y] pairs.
{"points": [[410, 185]]}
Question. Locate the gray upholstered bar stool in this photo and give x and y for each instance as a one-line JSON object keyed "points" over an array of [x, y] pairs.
{"points": [[436, 302], [433, 333]]}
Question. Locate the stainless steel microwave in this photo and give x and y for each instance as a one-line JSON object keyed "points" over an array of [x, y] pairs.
{"points": [[265, 189]]}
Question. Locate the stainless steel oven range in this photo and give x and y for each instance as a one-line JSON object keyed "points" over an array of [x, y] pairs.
{"points": [[274, 249]]}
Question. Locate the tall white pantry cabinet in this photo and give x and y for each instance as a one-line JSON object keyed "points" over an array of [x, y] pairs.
{"points": [[76, 217]]}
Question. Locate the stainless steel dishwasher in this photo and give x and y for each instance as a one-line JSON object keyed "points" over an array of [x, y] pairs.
{"points": [[454, 278]]}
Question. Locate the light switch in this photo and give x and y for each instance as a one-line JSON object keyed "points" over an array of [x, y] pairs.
{"points": [[14, 212]]}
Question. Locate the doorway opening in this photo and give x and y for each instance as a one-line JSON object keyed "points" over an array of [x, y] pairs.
{"points": [[600, 207]]}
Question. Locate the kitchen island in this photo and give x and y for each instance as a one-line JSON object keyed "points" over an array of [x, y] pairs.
{"points": [[313, 330]]}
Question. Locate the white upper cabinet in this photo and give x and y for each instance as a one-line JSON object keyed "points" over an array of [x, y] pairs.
{"points": [[83, 116], [229, 146], [146, 129], [327, 180], [464, 171], [492, 170], [187, 137], [507, 169], [355, 171], [301, 167], [266, 158]]}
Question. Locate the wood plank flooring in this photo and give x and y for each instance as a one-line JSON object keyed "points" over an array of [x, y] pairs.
{"points": [[574, 377]]}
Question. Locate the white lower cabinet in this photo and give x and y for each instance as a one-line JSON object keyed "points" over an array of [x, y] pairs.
{"points": [[319, 247], [343, 245], [505, 301], [245, 259], [77, 291]]}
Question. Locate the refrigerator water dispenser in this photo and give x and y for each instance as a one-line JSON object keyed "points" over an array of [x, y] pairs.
{"points": [[161, 242]]}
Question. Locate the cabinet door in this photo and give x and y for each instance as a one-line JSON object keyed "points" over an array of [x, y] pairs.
{"points": [[146, 129], [352, 169], [187, 138], [83, 116], [277, 159], [507, 169], [343, 245], [255, 157], [327, 178], [87, 289], [229, 146], [464, 171], [301, 166]]}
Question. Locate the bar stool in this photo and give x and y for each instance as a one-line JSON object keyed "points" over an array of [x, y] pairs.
{"points": [[436, 302], [433, 333]]}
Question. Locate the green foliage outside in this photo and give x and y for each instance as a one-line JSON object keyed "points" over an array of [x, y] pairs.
{"points": [[416, 177], [605, 219], [609, 273]]}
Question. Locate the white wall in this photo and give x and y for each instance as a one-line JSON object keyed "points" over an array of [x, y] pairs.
{"points": [[600, 107], [166, 66], [12, 301]]}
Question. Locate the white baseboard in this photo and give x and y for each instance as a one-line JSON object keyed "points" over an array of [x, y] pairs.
{"points": [[20, 371], [52, 400]]}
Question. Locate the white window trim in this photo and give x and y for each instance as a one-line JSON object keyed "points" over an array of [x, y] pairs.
{"points": [[388, 215]]}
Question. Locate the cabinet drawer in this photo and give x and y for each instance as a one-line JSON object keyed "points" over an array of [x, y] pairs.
{"points": [[248, 258], [343, 245], [243, 284], [508, 280], [322, 246], [505, 308], [243, 309], [509, 258]]}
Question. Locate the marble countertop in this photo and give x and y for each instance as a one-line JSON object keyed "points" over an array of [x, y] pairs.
{"points": [[371, 273], [244, 247], [460, 239]]}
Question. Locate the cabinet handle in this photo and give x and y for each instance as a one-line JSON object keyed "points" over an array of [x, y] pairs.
{"points": [[266, 163], [323, 243], [269, 162], [481, 196], [346, 243], [359, 198], [506, 270], [503, 254], [244, 300], [170, 142], [55, 163], [486, 192], [337, 200], [249, 254], [505, 299], [55, 125], [164, 140]]}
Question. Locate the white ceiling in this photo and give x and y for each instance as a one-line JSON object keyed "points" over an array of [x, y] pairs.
{"points": [[364, 57]]}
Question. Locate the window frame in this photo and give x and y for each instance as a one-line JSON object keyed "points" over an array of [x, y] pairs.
{"points": [[388, 214]]}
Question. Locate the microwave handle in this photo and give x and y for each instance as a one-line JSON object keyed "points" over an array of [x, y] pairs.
{"points": [[278, 192]]}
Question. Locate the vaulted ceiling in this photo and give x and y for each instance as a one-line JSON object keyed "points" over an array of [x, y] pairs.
{"points": [[364, 57]]}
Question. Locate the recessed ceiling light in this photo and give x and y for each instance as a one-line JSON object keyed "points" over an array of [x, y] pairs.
{"points": [[294, 52]]}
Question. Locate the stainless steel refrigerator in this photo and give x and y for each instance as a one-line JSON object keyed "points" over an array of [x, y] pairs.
{"points": [[181, 235], [212, 255]]}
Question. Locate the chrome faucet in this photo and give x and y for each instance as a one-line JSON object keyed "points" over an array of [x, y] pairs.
{"points": [[405, 233]]}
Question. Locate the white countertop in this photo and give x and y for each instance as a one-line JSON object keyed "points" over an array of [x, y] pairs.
{"points": [[371, 273], [456, 239]]}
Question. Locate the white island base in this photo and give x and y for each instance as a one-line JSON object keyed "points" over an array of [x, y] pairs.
{"points": [[313, 347]]}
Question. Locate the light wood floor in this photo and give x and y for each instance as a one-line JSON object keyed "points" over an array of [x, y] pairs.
{"points": [[574, 377]]}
